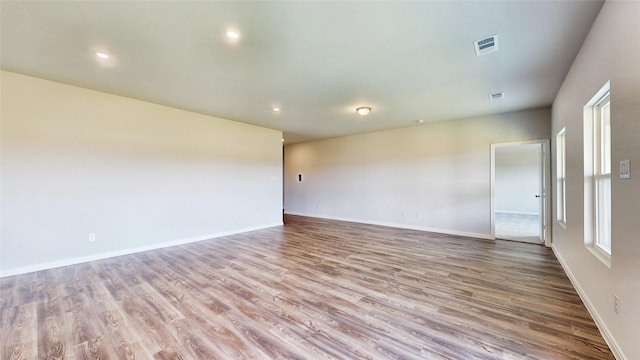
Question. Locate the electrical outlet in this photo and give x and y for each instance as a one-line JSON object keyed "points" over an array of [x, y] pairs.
{"points": [[92, 237], [616, 304]]}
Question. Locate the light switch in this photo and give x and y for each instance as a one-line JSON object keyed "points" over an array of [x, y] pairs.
{"points": [[625, 172]]}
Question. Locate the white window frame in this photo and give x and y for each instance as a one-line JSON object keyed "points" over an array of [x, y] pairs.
{"points": [[561, 178], [597, 196], [602, 172]]}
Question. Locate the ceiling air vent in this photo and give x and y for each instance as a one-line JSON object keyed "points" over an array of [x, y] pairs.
{"points": [[496, 96], [486, 45]]}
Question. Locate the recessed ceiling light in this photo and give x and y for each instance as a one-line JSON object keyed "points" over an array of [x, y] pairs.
{"points": [[420, 121], [276, 109], [363, 110], [233, 34], [102, 55]]}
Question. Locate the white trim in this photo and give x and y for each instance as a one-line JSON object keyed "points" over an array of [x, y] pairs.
{"points": [[396, 225], [101, 256], [604, 330], [563, 224], [600, 254]]}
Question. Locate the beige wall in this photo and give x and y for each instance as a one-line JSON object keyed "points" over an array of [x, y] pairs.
{"points": [[138, 175], [434, 176], [610, 52]]}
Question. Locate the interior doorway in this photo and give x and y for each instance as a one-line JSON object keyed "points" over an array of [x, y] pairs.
{"points": [[519, 198]]}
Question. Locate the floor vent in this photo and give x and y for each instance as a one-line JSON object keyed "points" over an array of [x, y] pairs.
{"points": [[486, 45]]}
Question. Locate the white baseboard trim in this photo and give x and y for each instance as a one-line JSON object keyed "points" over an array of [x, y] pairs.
{"points": [[101, 256], [396, 225], [604, 330]]}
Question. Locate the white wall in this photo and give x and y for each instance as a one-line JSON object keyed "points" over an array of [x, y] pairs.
{"points": [[610, 52], [517, 179], [138, 175], [433, 176]]}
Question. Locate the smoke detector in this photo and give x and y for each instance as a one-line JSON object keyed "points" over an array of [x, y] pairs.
{"points": [[486, 45]]}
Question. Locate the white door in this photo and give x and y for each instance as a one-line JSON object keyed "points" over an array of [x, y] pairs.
{"points": [[518, 192]]}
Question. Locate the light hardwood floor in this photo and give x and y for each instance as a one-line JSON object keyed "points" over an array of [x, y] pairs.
{"points": [[313, 289]]}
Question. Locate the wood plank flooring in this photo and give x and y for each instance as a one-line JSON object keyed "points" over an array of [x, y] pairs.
{"points": [[313, 289]]}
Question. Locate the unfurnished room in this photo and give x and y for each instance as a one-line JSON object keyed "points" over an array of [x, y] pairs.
{"points": [[320, 179]]}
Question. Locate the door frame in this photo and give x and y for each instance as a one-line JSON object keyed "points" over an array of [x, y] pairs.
{"points": [[545, 181]]}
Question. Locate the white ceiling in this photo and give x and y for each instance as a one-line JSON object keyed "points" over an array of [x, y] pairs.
{"points": [[317, 61]]}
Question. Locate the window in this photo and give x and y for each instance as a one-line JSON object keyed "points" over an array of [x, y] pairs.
{"points": [[597, 152], [602, 172], [561, 182]]}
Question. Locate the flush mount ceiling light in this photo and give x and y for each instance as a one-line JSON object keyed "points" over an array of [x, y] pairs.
{"points": [[275, 109], [233, 34], [363, 110], [102, 55]]}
